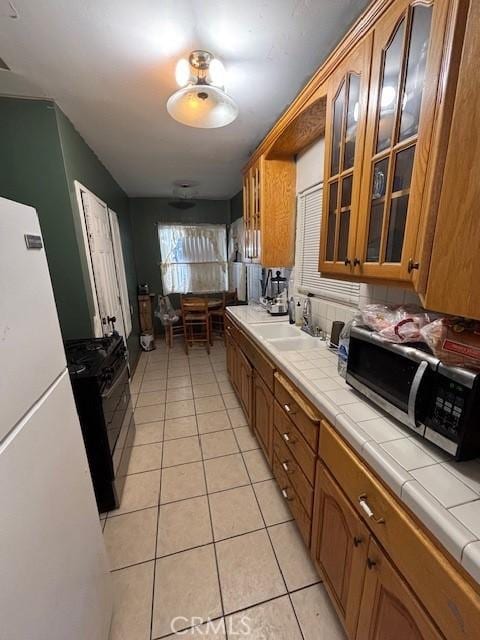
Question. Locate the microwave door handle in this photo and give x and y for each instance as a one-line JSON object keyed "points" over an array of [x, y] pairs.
{"points": [[412, 398]]}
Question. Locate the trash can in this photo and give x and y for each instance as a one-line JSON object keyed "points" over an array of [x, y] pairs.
{"points": [[147, 342]]}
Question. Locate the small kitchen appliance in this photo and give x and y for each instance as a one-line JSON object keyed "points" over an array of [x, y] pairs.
{"points": [[440, 403]]}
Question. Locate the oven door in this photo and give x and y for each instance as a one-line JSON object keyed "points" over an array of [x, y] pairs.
{"points": [[116, 403], [394, 377]]}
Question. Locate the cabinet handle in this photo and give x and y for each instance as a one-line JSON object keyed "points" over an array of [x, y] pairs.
{"points": [[347, 261], [362, 501], [286, 437], [357, 261], [285, 466], [371, 563], [286, 496], [357, 541], [289, 409], [412, 265]]}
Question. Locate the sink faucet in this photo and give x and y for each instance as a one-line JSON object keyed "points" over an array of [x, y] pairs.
{"points": [[307, 317]]}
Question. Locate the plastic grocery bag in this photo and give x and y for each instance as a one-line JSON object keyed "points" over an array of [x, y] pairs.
{"points": [[455, 341], [396, 323], [165, 311]]}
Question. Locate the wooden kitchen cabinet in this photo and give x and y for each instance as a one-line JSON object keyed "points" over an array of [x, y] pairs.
{"points": [[339, 548], [346, 118], [232, 359], [388, 608], [269, 212], [263, 415], [245, 385], [406, 83]]}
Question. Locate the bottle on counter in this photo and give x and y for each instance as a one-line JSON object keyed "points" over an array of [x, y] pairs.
{"points": [[298, 314]]}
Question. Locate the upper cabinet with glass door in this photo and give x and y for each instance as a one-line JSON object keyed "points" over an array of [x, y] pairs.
{"points": [[344, 139], [407, 55]]}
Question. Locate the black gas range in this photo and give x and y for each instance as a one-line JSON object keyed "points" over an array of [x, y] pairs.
{"points": [[99, 374]]}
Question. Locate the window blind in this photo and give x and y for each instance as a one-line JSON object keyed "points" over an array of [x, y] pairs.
{"points": [[309, 280]]}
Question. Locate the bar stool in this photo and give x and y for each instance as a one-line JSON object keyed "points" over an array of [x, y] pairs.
{"points": [[196, 321]]}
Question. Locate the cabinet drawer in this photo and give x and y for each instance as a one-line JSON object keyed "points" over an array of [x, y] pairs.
{"points": [[294, 472], [292, 437], [302, 414], [304, 523], [453, 603]]}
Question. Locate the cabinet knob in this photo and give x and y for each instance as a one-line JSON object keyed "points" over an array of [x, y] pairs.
{"points": [[357, 262], [371, 563], [412, 265], [357, 541], [347, 261]]}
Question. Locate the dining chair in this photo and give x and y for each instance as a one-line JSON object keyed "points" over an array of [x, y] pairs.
{"points": [[217, 316], [196, 322], [174, 329]]}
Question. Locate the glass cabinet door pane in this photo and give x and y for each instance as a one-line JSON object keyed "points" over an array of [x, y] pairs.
{"points": [[403, 169], [375, 232], [353, 107], [387, 97], [379, 183], [332, 207], [338, 109], [415, 75], [396, 228], [343, 235], [346, 191]]}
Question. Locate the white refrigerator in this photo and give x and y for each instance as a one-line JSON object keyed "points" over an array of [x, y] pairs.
{"points": [[54, 575]]}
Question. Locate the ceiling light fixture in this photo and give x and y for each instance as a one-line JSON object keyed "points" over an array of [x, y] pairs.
{"points": [[202, 101]]}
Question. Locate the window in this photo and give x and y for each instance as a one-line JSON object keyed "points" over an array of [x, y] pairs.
{"points": [[308, 279], [194, 257]]}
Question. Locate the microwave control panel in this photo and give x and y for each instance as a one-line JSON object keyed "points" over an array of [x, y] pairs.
{"points": [[448, 407]]}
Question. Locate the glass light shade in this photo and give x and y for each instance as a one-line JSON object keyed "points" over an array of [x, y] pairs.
{"points": [[202, 106], [217, 73], [182, 72]]}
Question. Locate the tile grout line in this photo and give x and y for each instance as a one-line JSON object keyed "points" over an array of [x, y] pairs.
{"points": [[211, 528], [273, 549]]}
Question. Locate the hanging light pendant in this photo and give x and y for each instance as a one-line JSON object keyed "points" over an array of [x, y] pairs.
{"points": [[202, 101]]}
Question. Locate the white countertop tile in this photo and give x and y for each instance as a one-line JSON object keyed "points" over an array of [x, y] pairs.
{"points": [[469, 515], [471, 559], [388, 447], [468, 472], [382, 430], [359, 411], [407, 453], [389, 471], [351, 431], [444, 486], [450, 532]]}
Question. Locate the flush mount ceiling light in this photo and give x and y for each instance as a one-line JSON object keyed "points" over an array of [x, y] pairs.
{"points": [[202, 101], [184, 192]]}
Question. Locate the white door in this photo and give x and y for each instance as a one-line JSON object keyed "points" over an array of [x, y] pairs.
{"points": [[55, 581], [120, 269], [100, 251], [31, 350]]}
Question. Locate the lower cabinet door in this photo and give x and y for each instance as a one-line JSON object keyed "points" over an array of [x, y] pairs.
{"points": [[263, 415], [389, 610], [339, 548], [245, 385]]}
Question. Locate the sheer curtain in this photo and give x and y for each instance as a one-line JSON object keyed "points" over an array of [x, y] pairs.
{"points": [[194, 257]]}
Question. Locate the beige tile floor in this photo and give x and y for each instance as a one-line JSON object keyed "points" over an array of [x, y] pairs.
{"points": [[203, 543]]}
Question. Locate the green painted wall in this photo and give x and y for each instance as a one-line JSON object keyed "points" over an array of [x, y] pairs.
{"points": [[236, 206], [82, 165], [41, 155], [32, 172]]}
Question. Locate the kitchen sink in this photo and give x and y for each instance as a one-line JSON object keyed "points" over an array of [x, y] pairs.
{"points": [[274, 330], [296, 344]]}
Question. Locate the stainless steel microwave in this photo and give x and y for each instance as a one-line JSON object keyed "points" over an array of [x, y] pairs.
{"points": [[438, 402]]}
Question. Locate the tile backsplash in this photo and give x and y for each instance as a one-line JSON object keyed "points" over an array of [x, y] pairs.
{"points": [[326, 311]]}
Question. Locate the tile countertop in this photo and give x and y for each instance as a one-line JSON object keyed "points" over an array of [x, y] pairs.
{"points": [[444, 494]]}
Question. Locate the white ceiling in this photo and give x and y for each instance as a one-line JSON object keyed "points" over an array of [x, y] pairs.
{"points": [[110, 66]]}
